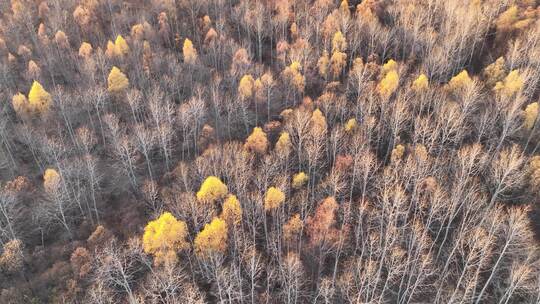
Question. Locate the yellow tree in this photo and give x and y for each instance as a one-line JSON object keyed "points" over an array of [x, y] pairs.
{"points": [[85, 51], [273, 198], [39, 100], [531, 114], [339, 43], [117, 81], [257, 141], [245, 87], [20, 104], [232, 210], [318, 122], [338, 62], [421, 83], [212, 189], [283, 145], [212, 239], [292, 228], [189, 52], [388, 84], [511, 84], [350, 125], [51, 180], [294, 76], [164, 237], [460, 81], [323, 63], [299, 180], [121, 46]]}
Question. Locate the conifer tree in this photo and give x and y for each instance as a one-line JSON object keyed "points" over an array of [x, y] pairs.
{"points": [[257, 141], [388, 84], [531, 114], [273, 198], [117, 81], [212, 189], [299, 180], [246, 87], [212, 239], [189, 52], [421, 83], [39, 100], [121, 46], [232, 210], [164, 237]]}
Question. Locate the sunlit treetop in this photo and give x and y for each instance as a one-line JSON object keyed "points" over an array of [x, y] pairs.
{"points": [[164, 237], [189, 52], [338, 61], [390, 65], [460, 81], [85, 51], [232, 210], [257, 141], [245, 87], [299, 180], [273, 198], [323, 63], [421, 83], [339, 43], [389, 84], [117, 81], [51, 180], [283, 144], [530, 115], [318, 121], [511, 84], [494, 72], [212, 240], [212, 189], [122, 48], [397, 153], [350, 125], [39, 100]]}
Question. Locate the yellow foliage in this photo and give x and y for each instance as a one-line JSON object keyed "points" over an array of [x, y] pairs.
{"points": [[137, 32], [257, 141], [212, 239], [273, 198], [339, 43], [212, 189], [323, 64], [388, 84], [318, 121], [299, 180], [534, 171], [232, 210], [390, 65], [283, 145], [531, 114], [61, 39], [121, 46], [460, 81], [20, 104], [294, 76], [164, 237], [350, 125], [85, 51], [494, 72], [33, 69], [421, 83], [189, 52], [38, 99], [292, 228], [397, 153], [111, 50], [338, 60], [117, 81], [511, 84], [51, 180], [245, 87]]}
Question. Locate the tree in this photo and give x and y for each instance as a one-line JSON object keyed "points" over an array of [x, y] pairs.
{"points": [[299, 180], [85, 51], [421, 83], [121, 46], [283, 144], [292, 228], [339, 43], [273, 198], [164, 237], [338, 62], [39, 100], [212, 239], [531, 114], [257, 141], [460, 81], [318, 122], [351, 125], [232, 210], [511, 84], [12, 258], [117, 81], [212, 189], [189, 52], [388, 84], [246, 87]]}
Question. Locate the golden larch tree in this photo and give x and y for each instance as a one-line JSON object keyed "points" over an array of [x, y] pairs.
{"points": [[421, 83], [318, 122], [273, 198], [246, 86], [323, 63], [494, 72], [397, 153], [460, 81], [232, 210], [350, 125], [388, 85], [511, 84], [212, 189], [85, 51], [212, 239], [20, 104], [117, 81], [338, 62], [189, 52], [299, 180], [257, 141], [51, 180], [530, 114], [339, 43], [121, 46], [292, 228], [39, 100], [283, 144], [164, 237]]}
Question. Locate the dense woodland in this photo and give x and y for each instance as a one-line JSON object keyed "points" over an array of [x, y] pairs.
{"points": [[269, 151]]}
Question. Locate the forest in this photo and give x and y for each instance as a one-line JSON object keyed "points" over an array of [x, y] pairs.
{"points": [[269, 151]]}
